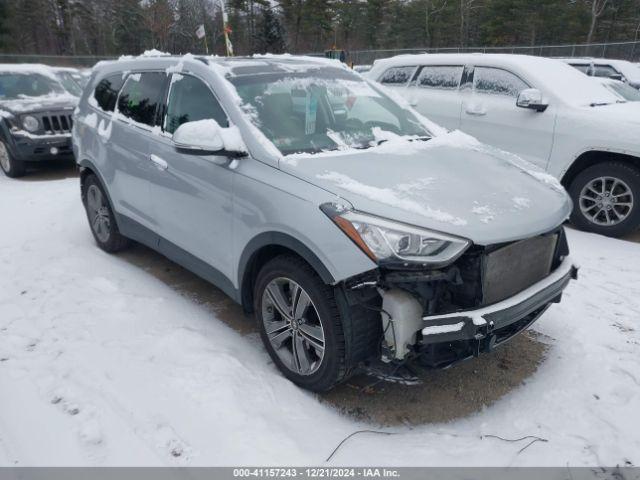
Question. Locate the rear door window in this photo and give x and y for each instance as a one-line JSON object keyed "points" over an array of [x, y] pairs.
{"points": [[442, 77], [106, 93], [397, 76], [141, 96], [496, 81], [190, 100], [583, 67]]}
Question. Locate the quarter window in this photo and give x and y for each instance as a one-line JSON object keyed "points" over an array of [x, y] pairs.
{"points": [[497, 82], [106, 93], [397, 76], [140, 96], [191, 100], [440, 76]]}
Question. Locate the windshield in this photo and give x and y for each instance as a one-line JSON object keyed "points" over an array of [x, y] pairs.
{"points": [[565, 82], [323, 109], [625, 91], [69, 83], [24, 85]]}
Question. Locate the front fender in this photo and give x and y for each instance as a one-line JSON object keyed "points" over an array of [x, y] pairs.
{"points": [[283, 240]]}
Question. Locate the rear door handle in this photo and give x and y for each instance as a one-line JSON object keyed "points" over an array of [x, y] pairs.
{"points": [[159, 162]]}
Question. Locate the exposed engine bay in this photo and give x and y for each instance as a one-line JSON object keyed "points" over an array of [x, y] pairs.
{"points": [[430, 315]]}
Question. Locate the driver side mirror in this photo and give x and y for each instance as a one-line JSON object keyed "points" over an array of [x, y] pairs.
{"points": [[532, 98], [207, 137]]}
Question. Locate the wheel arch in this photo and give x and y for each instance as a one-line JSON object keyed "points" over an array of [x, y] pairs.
{"points": [[593, 157], [87, 168], [6, 137], [261, 249]]}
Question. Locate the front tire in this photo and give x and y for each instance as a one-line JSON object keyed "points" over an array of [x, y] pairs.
{"points": [[12, 167], [606, 199], [300, 324], [101, 218]]}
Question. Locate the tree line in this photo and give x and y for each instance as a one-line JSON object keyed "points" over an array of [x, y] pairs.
{"points": [[116, 27]]}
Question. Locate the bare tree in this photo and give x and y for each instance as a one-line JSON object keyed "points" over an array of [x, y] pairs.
{"points": [[466, 6], [432, 8], [598, 8]]}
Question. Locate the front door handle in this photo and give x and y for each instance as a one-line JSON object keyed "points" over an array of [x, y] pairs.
{"points": [[159, 162]]}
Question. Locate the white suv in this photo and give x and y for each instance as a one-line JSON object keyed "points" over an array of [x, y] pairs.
{"points": [[545, 111]]}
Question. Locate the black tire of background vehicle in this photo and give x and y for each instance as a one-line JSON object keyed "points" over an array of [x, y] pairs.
{"points": [[116, 241], [335, 365], [625, 172], [16, 168]]}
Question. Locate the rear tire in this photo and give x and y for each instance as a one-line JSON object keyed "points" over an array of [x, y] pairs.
{"points": [[12, 167], [606, 199], [101, 218], [319, 361]]}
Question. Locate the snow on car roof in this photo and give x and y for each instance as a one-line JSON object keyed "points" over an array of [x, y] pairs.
{"points": [[629, 69], [552, 76], [65, 69], [27, 68], [227, 66], [236, 66]]}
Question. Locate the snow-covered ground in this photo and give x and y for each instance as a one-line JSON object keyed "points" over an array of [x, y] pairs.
{"points": [[103, 364]]}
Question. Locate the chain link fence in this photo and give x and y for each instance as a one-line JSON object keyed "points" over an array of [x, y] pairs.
{"points": [[618, 50], [78, 61]]}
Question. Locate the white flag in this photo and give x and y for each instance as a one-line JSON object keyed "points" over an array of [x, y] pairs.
{"points": [[200, 33]]}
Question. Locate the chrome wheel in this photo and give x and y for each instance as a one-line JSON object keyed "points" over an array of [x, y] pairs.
{"points": [[606, 201], [98, 212], [293, 326], [5, 163]]}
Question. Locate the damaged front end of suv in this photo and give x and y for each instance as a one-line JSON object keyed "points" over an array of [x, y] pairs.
{"points": [[439, 299]]}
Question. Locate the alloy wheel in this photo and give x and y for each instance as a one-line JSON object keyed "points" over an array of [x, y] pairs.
{"points": [[98, 211], [606, 201], [5, 163], [293, 326]]}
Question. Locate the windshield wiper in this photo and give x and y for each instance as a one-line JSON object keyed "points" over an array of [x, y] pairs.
{"points": [[416, 139], [602, 104]]}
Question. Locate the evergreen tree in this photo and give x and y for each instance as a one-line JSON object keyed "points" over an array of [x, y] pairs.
{"points": [[270, 36]]}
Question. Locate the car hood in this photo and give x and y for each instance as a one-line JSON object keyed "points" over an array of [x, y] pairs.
{"points": [[627, 112], [39, 104], [451, 183]]}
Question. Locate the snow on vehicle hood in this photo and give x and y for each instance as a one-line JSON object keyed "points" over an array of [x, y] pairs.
{"points": [[619, 113], [451, 183], [39, 104]]}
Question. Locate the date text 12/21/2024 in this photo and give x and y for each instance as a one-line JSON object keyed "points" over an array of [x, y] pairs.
{"points": [[316, 472]]}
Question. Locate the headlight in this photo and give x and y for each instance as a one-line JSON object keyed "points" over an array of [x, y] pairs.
{"points": [[30, 124], [386, 241]]}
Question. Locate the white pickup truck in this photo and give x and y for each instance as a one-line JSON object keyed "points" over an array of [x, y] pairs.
{"points": [[543, 110]]}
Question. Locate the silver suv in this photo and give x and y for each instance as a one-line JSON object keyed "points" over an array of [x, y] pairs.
{"points": [[361, 235]]}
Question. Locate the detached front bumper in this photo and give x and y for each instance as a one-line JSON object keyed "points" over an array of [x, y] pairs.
{"points": [[36, 148], [489, 326]]}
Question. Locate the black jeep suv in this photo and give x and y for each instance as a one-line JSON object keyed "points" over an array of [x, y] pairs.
{"points": [[35, 118]]}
